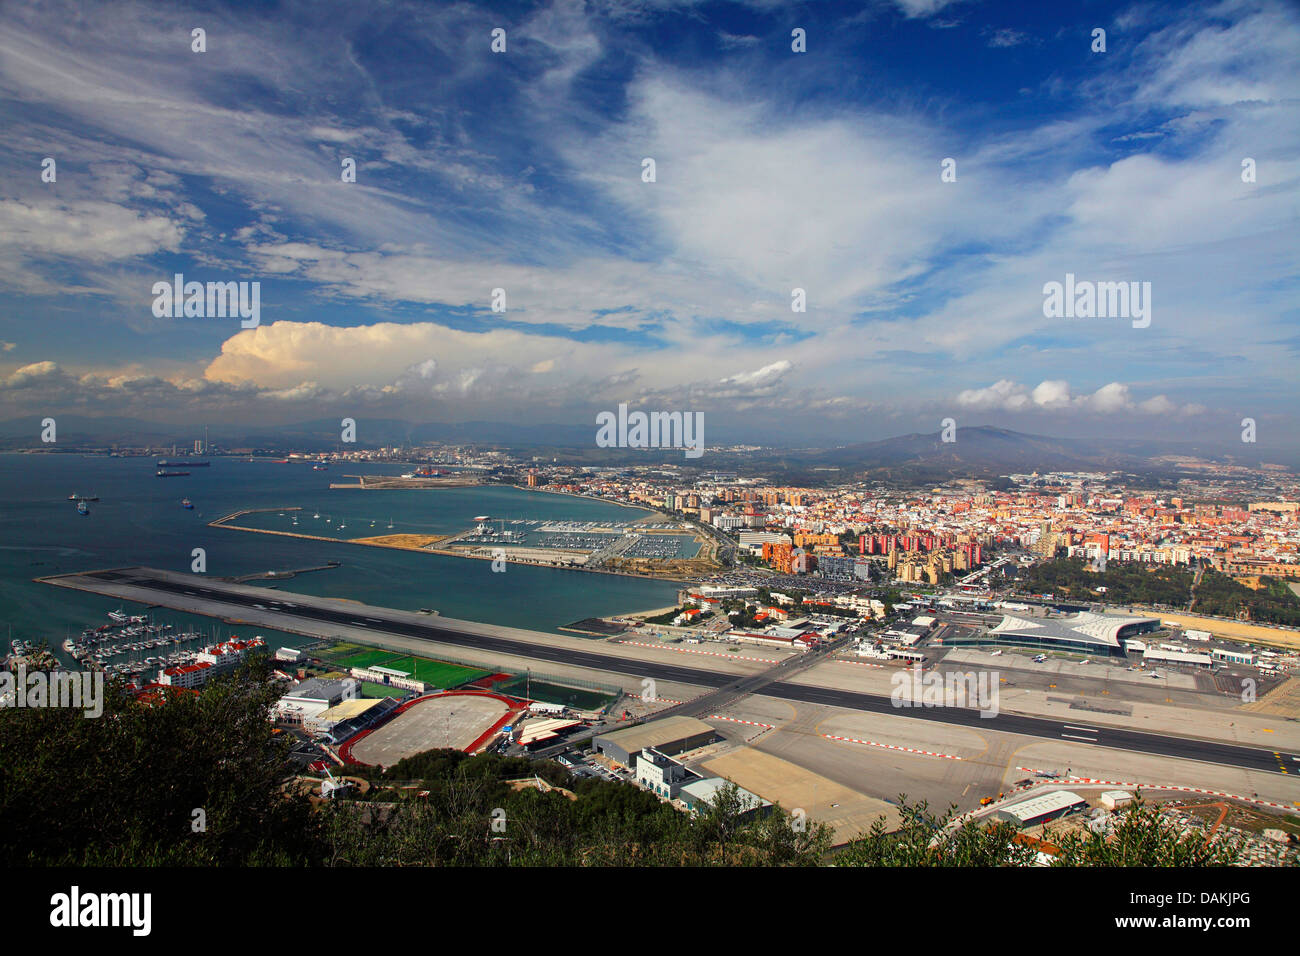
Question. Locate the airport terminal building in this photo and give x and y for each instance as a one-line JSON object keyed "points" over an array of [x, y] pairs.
{"points": [[1082, 633]]}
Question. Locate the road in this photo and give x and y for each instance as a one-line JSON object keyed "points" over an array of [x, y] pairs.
{"points": [[170, 593]]}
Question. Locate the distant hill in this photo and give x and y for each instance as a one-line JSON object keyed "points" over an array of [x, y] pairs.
{"points": [[979, 450], [983, 448]]}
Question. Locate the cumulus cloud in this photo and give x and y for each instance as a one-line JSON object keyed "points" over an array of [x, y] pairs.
{"points": [[30, 374], [1110, 399], [89, 230]]}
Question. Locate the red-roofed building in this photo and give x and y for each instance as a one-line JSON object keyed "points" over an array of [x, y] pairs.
{"points": [[152, 694], [187, 675]]}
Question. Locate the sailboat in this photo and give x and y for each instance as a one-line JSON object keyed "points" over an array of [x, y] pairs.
{"points": [[390, 524]]}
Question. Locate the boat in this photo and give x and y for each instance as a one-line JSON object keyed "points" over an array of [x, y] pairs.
{"points": [[172, 474], [118, 617], [83, 508], [187, 504], [320, 468]]}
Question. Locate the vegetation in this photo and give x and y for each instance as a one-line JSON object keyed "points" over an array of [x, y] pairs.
{"points": [[121, 789], [1129, 583], [1162, 585], [669, 616], [1140, 836], [1273, 603]]}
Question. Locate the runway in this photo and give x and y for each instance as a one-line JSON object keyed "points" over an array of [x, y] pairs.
{"points": [[185, 592]]}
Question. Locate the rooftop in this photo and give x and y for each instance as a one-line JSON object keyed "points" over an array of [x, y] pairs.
{"points": [[657, 732], [1100, 629]]}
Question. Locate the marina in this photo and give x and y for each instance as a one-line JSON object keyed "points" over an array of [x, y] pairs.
{"points": [[130, 646]]}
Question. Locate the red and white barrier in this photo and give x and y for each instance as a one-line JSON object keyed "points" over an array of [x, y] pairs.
{"points": [[907, 750], [737, 720]]}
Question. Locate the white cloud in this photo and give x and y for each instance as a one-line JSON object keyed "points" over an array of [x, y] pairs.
{"points": [[1110, 399], [86, 230]]}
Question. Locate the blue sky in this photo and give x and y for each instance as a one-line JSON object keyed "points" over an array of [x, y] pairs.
{"points": [[775, 170]]}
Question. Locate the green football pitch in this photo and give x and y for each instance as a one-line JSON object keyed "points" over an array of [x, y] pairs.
{"points": [[438, 673]]}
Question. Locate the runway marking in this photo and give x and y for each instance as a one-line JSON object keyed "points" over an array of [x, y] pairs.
{"points": [[1091, 740], [684, 650], [1088, 730], [908, 750]]}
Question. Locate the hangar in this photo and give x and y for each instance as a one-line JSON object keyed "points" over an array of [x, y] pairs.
{"points": [[1042, 808], [670, 736]]}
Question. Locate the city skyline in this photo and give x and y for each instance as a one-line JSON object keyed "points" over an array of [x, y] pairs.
{"points": [[775, 170]]}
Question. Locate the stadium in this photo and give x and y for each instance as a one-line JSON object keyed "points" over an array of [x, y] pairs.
{"points": [[458, 719]]}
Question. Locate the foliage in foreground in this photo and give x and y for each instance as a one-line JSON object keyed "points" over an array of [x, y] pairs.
{"points": [[1139, 836]]}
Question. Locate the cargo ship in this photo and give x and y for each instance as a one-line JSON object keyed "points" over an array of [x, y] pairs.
{"points": [[171, 474], [184, 464], [76, 497]]}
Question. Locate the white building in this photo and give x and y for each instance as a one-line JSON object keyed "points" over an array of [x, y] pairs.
{"points": [[310, 698]]}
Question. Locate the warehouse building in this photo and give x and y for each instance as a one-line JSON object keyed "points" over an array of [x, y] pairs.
{"points": [[309, 698], [1043, 808], [1233, 657], [1152, 655], [699, 795], [670, 736]]}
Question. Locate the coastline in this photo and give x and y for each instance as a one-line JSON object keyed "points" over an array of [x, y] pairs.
{"points": [[651, 512], [373, 543]]}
